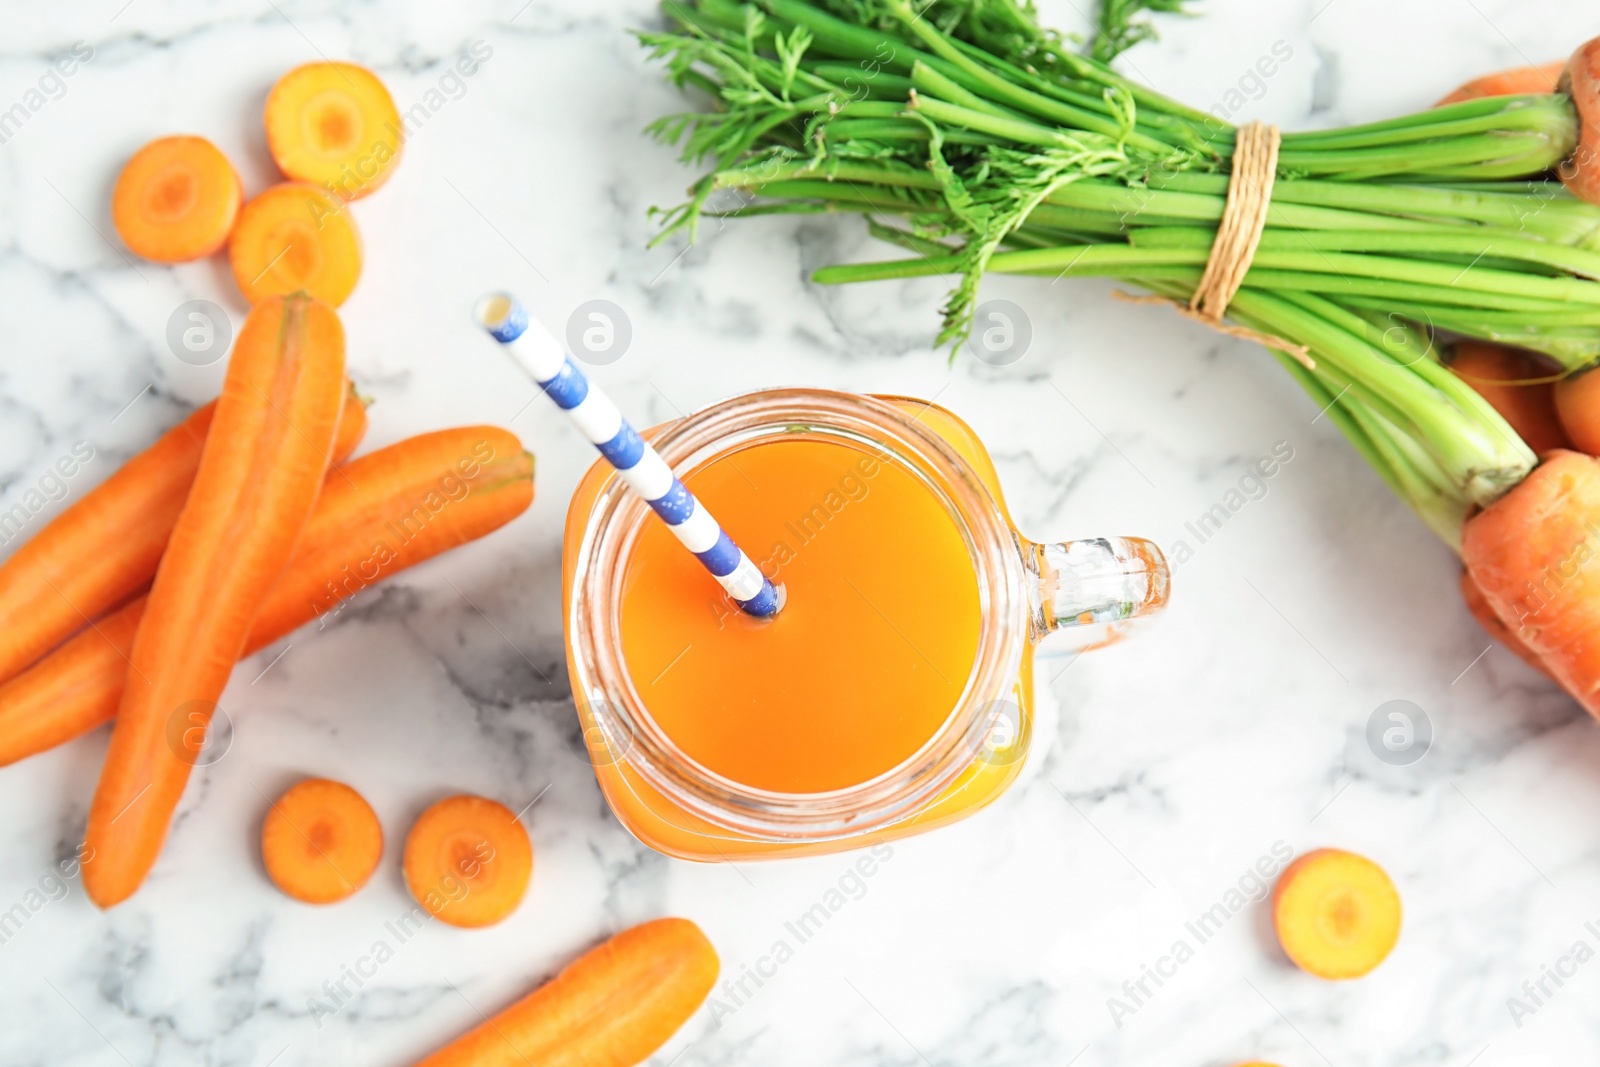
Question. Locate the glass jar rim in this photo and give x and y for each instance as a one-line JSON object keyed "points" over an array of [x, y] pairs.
{"points": [[604, 687]]}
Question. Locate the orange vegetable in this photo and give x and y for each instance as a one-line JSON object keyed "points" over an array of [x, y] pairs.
{"points": [[259, 474], [1481, 610], [334, 125], [376, 516], [1511, 381], [320, 841], [1580, 79], [1336, 913], [176, 200], [105, 548], [468, 861], [1533, 553], [1513, 82], [611, 1007], [295, 237], [1577, 402]]}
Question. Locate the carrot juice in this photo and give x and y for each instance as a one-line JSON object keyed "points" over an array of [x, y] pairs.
{"points": [[871, 656], [871, 651]]}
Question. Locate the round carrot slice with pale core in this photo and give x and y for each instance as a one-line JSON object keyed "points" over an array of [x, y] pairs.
{"points": [[1337, 914], [176, 200], [321, 841], [295, 237], [468, 861], [334, 124]]}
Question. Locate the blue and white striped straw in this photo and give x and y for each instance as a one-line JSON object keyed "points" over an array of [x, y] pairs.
{"points": [[637, 464]]}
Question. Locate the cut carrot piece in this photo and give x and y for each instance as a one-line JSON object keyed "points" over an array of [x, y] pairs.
{"points": [[1533, 553], [321, 841], [1514, 82], [1483, 611], [1336, 913], [176, 200], [1578, 408], [376, 516], [611, 1007], [105, 548], [259, 475], [1511, 382], [295, 238], [335, 125], [468, 861]]}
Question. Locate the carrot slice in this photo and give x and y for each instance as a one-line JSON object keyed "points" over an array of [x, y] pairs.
{"points": [[468, 861], [611, 1007], [1336, 913], [1577, 402], [320, 841], [1481, 610], [105, 548], [376, 516], [259, 474], [1509, 381], [295, 237], [1533, 553], [176, 200], [335, 125], [1514, 82]]}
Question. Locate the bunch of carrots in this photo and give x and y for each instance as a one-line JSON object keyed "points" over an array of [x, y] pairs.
{"points": [[1531, 577]]}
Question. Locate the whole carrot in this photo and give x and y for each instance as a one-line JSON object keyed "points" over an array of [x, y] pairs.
{"points": [[1577, 400], [1535, 554], [1513, 82], [376, 516], [259, 474], [1517, 386], [1482, 611], [612, 1007], [105, 548]]}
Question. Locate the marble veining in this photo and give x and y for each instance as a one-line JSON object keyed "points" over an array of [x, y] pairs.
{"points": [[1165, 768]]}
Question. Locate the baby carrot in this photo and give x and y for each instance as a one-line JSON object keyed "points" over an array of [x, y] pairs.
{"points": [[105, 548], [1533, 553], [259, 474], [175, 200], [377, 515], [611, 1007]]}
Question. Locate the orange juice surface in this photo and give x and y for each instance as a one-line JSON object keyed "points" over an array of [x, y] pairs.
{"points": [[870, 653]]}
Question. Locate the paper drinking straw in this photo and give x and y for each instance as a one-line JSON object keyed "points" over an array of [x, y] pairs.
{"points": [[636, 463]]}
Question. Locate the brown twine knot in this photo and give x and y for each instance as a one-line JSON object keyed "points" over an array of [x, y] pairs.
{"points": [[1244, 219]]}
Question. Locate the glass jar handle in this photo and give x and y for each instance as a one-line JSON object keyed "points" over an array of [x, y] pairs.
{"points": [[1097, 587]]}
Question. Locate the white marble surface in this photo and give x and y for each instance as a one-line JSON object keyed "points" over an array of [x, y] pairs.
{"points": [[1173, 763]]}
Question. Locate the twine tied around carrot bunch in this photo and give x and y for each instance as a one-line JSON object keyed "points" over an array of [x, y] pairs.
{"points": [[1244, 219]]}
